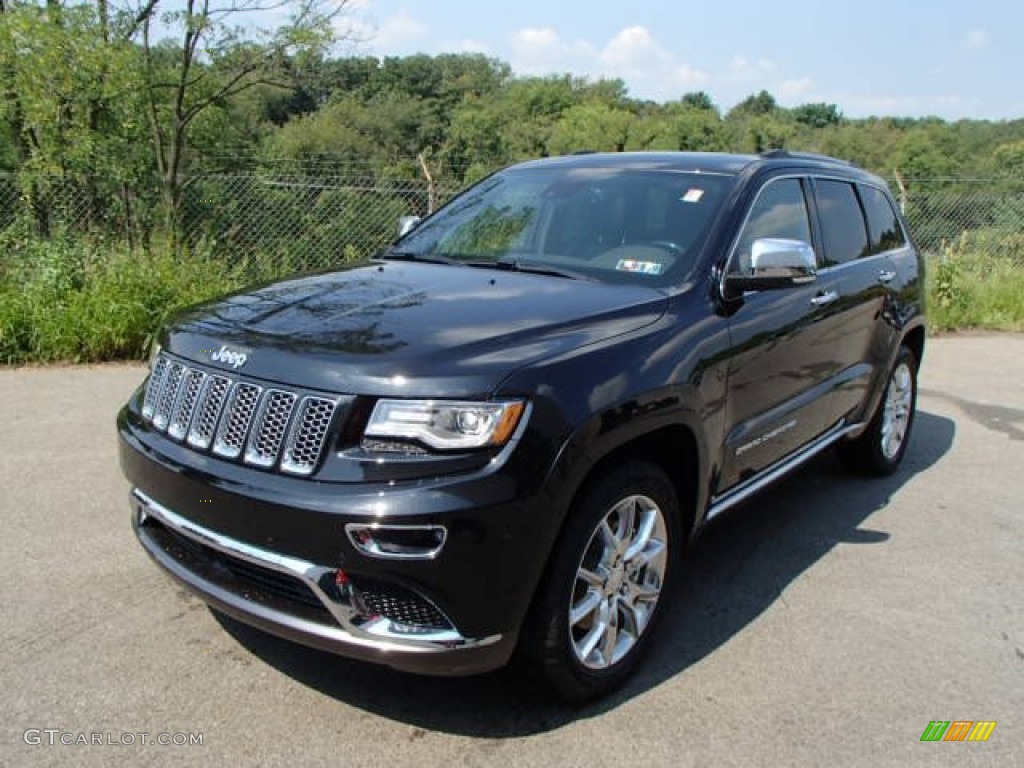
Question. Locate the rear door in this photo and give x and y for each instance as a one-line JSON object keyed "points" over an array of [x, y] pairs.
{"points": [[857, 264]]}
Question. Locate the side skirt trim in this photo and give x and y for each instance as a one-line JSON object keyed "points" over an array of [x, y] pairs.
{"points": [[770, 474]]}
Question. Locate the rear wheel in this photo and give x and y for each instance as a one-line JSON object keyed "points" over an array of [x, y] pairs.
{"points": [[880, 449], [596, 609]]}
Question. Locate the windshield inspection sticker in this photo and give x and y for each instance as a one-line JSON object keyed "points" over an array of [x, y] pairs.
{"points": [[692, 195], [643, 267]]}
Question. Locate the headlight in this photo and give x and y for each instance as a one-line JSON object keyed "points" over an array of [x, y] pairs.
{"points": [[445, 425]]}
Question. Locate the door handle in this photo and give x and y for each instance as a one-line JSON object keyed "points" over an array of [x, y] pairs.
{"points": [[886, 276], [824, 299]]}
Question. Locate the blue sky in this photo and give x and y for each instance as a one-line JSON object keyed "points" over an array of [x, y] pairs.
{"points": [[901, 58]]}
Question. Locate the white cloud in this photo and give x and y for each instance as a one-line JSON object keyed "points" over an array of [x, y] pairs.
{"points": [[948, 105], [690, 77], [975, 40], [742, 69], [541, 51], [469, 45], [794, 88], [634, 48], [399, 30], [650, 69], [632, 54], [397, 34], [536, 39]]}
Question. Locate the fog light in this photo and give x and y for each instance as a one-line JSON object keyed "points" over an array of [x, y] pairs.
{"points": [[399, 542]]}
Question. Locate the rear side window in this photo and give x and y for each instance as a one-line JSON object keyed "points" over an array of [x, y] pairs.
{"points": [[842, 223], [883, 223]]}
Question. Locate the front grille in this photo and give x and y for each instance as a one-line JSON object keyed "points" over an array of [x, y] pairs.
{"points": [[399, 604], [236, 419]]}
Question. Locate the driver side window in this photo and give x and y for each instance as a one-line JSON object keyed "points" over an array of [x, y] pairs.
{"points": [[780, 210]]}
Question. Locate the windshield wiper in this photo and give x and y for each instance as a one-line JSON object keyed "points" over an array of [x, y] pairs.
{"points": [[429, 258], [508, 266], [532, 268]]}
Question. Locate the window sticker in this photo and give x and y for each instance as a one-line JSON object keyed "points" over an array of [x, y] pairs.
{"points": [[693, 195], [642, 267]]}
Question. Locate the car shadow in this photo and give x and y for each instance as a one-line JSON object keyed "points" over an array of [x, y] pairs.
{"points": [[735, 570]]}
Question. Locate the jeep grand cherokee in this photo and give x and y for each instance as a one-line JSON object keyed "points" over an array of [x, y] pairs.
{"points": [[499, 435]]}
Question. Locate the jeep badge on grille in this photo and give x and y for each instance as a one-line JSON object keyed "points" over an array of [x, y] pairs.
{"points": [[230, 357]]}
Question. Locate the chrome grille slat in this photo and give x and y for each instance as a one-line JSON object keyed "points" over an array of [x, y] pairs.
{"points": [[271, 426], [234, 424], [153, 386], [236, 419], [306, 439], [211, 401], [181, 417], [168, 396]]}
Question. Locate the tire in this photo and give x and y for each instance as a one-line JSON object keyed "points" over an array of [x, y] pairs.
{"points": [[606, 584], [881, 447]]}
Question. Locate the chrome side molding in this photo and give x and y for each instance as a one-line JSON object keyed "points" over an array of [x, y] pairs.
{"points": [[770, 474]]}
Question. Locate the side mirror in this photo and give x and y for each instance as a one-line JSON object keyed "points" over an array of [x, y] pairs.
{"points": [[407, 224], [775, 263]]}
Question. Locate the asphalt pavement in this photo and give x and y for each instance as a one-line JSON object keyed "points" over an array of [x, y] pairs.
{"points": [[825, 622]]}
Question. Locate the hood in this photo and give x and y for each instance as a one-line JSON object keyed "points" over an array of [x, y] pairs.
{"points": [[400, 328]]}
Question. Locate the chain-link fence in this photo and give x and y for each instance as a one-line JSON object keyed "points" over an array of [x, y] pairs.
{"points": [[980, 219], [286, 223], [296, 223]]}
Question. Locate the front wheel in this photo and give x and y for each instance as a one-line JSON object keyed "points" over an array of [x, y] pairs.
{"points": [[880, 449], [606, 586]]}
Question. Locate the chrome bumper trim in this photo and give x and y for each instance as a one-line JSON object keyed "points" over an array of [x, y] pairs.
{"points": [[376, 634]]}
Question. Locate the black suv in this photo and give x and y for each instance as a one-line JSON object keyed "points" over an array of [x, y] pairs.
{"points": [[499, 435]]}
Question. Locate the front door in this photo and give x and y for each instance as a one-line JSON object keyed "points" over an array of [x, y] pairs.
{"points": [[780, 375]]}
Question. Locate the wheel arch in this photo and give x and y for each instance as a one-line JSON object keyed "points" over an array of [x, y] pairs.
{"points": [[673, 448], [913, 339]]}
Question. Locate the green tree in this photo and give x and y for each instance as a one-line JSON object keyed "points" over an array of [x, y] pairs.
{"points": [[819, 115], [530, 108], [220, 51], [70, 105], [755, 105], [1008, 159], [699, 100], [921, 155], [591, 126]]}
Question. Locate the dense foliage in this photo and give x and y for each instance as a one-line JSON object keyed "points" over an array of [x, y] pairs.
{"points": [[94, 90], [108, 112]]}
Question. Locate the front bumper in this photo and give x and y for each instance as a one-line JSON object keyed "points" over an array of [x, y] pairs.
{"points": [[286, 553], [301, 601]]}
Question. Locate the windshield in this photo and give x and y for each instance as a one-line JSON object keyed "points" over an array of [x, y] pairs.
{"points": [[607, 224]]}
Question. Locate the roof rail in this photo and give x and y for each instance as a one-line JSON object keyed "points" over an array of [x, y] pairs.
{"points": [[773, 154]]}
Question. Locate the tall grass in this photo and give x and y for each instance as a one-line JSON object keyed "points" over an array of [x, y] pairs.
{"points": [[969, 288], [86, 301]]}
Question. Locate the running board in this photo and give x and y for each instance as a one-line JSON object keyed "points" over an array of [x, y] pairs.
{"points": [[749, 487]]}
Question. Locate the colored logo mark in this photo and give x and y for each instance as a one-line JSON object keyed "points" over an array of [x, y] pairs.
{"points": [[958, 730]]}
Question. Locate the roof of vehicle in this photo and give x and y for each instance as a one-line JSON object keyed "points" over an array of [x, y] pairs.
{"points": [[701, 162]]}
